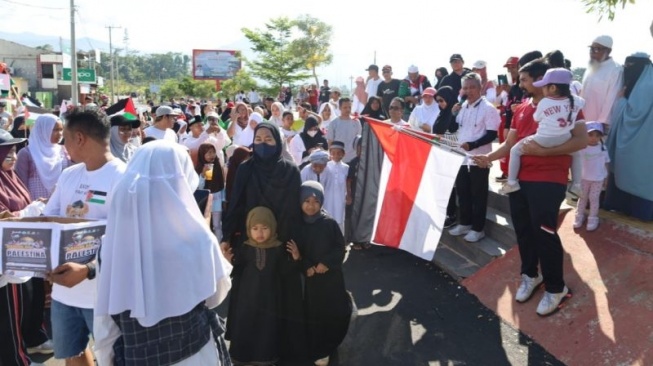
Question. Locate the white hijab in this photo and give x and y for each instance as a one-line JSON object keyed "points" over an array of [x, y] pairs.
{"points": [[277, 120], [47, 157], [119, 149], [159, 258]]}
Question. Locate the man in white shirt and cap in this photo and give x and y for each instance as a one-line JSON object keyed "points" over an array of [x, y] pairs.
{"points": [[162, 127], [602, 82]]}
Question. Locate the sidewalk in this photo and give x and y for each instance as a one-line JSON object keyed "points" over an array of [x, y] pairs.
{"points": [[609, 319]]}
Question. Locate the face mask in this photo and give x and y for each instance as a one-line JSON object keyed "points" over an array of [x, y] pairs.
{"points": [[264, 151], [135, 141], [312, 133]]}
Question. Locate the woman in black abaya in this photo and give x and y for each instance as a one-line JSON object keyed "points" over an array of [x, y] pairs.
{"points": [[268, 180]]}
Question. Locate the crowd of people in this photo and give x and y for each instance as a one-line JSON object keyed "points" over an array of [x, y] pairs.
{"points": [[252, 198]]}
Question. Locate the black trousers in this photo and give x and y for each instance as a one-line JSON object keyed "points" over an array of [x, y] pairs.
{"points": [[21, 321], [472, 187], [534, 210], [452, 208]]}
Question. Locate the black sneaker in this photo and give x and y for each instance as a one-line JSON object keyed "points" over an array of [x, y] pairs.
{"points": [[449, 222]]}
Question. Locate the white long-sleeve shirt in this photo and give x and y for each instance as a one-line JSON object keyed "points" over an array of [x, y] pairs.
{"points": [[600, 89]]}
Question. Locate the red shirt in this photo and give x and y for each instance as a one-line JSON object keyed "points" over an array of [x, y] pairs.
{"points": [[554, 169], [312, 97]]}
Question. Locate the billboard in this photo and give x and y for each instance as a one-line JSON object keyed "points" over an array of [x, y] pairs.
{"points": [[215, 64]]}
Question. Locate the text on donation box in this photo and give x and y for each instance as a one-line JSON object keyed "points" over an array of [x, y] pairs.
{"points": [[80, 245], [26, 250]]}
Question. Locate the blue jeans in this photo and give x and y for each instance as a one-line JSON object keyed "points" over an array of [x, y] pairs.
{"points": [[71, 328]]}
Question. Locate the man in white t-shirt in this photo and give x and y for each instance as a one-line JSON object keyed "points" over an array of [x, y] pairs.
{"points": [[253, 97], [373, 81], [82, 191], [162, 127]]}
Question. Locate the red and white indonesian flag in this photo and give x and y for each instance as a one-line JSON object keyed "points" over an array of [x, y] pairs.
{"points": [[417, 177]]}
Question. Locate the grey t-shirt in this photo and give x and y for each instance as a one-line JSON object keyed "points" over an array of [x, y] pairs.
{"points": [[345, 130]]}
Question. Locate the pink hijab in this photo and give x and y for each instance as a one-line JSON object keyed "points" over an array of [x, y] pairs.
{"points": [[14, 196]]}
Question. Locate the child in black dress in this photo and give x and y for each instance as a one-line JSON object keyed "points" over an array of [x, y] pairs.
{"points": [[327, 304], [254, 322]]}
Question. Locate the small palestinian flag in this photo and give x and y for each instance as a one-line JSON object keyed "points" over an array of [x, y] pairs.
{"points": [[125, 107], [96, 197]]}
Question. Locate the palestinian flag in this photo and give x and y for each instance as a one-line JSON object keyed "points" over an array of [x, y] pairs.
{"points": [[32, 113], [97, 197], [125, 107]]}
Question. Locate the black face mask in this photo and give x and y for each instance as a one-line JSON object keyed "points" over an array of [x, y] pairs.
{"points": [[265, 151]]}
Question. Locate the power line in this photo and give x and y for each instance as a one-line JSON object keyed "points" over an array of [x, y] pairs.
{"points": [[33, 6]]}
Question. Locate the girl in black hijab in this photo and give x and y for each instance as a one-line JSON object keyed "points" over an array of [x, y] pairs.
{"points": [[269, 180], [446, 121], [374, 109], [311, 137]]}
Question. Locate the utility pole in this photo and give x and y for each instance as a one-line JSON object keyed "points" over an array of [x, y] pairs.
{"points": [[74, 90], [374, 57], [110, 28]]}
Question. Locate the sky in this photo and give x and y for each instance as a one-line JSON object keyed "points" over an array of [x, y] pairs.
{"points": [[423, 33]]}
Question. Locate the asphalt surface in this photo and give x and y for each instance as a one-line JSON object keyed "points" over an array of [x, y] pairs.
{"points": [[412, 313]]}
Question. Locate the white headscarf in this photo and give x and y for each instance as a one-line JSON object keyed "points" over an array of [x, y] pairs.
{"points": [[47, 157], [277, 120], [119, 149], [159, 258]]}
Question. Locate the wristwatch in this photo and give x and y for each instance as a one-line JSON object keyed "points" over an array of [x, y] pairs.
{"points": [[91, 271]]}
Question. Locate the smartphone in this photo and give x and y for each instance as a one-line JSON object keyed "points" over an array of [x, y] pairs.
{"points": [[503, 79]]}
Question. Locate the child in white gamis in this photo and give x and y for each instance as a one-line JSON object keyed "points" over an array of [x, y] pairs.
{"points": [[336, 188], [556, 115], [316, 169], [595, 171]]}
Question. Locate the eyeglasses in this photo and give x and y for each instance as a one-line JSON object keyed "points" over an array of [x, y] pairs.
{"points": [[395, 108], [386, 71], [597, 49]]}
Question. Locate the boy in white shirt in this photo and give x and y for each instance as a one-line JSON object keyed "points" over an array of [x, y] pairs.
{"points": [[335, 191], [82, 191], [556, 114]]}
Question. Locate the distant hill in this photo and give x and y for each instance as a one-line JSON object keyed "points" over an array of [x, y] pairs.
{"points": [[35, 40]]}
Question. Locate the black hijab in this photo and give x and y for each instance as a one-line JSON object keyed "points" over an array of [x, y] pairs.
{"points": [[446, 121], [271, 182], [311, 142], [19, 134], [379, 114]]}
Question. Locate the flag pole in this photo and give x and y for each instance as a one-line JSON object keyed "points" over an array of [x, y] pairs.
{"points": [[434, 141]]}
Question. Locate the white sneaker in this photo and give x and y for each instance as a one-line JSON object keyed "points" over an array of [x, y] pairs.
{"points": [[474, 236], [550, 303], [578, 222], [45, 348], [509, 188], [460, 230], [527, 287], [592, 223], [322, 361]]}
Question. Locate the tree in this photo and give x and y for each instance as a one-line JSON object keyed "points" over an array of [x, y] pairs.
{"points": [[276, 63], [241, 81], [45, 47], [313, 45], [606, 7], [196, 88], [170, 89]]}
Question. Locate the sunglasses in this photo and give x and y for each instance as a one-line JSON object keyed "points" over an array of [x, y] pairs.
{"points": [[395, 108]]}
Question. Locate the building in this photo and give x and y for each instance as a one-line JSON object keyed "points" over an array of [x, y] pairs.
{"points": [[41, 73]]}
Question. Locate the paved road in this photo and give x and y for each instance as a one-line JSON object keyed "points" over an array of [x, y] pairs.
{"points": [[412, 313]]}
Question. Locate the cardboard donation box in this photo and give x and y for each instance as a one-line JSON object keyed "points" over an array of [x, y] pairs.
{"points": [[32, 246]]}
